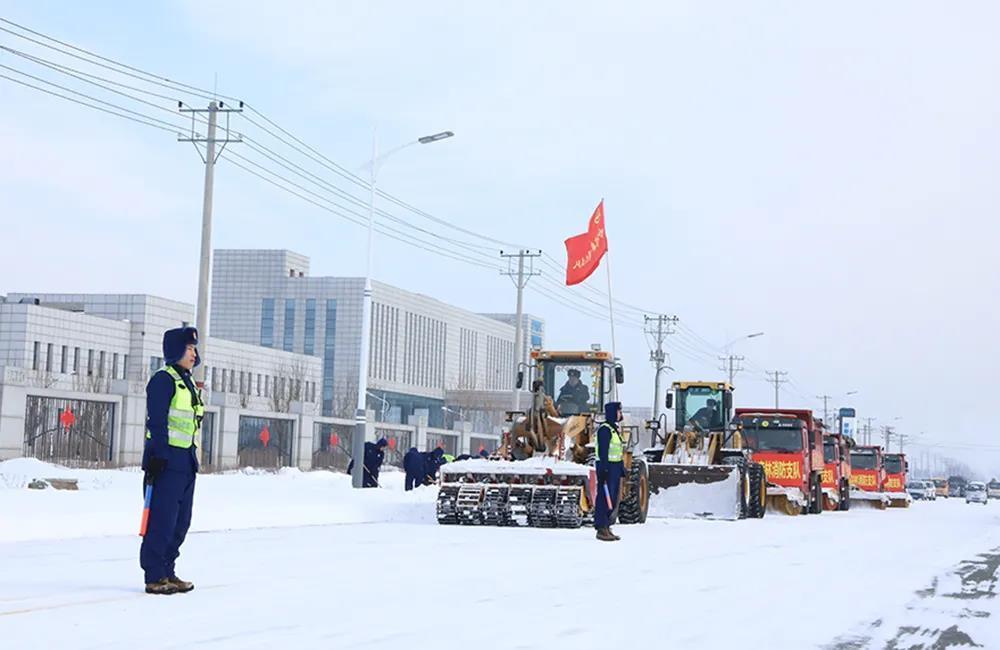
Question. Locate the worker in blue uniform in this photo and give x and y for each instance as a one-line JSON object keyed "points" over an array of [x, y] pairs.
{"points": [[174, 411], [373, 459], [413, 465], [610, 469]]}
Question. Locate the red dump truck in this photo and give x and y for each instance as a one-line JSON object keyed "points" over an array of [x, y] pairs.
{"points": [[789, 444], [868, 476], [895, 481], [836, 472]]}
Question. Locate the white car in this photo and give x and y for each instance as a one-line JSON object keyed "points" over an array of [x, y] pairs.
{"points": [[917, 490], [975, 492], [931, 494], [993, 489]]}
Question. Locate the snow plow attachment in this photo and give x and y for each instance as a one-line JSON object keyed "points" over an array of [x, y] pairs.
{"points": [[734, 490], [899, 499], [689, 491], [538, 492], [878, 500]]}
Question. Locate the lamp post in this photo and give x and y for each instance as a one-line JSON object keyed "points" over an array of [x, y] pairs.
{"points": [[360, 417], [730, 359]]}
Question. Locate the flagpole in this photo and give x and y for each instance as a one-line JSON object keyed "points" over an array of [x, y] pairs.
{"points": [[611, 312]]}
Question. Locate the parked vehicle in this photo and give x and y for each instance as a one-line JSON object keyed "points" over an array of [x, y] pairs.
{"points": [[932, 491], [975, 492], [918, 490], [993, 489]]}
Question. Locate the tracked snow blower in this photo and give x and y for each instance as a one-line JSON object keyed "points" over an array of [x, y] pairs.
{"points": [[703, 468], [543, 474]]}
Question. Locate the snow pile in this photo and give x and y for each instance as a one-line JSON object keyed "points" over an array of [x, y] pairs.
{"points": [[718, 500], [109, 502], [534, 465]]}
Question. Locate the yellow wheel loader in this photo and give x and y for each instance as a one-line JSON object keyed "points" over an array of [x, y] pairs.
{"points": [[702, 468]]}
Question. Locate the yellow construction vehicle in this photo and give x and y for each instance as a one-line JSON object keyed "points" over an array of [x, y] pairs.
{"points": [[703, 468], [543, 473]]}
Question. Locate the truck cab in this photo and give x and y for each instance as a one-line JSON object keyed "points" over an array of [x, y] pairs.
{"points": [[868, 475], [789, 445], [836, 471], [896, 470]]}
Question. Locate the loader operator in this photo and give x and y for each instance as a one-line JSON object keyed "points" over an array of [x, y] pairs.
{"points": [[706, 417], [574, 398], [610, 469]]}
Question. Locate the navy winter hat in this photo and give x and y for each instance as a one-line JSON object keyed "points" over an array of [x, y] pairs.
{"points": [[611, 411], [175, 342], [382, 442]]}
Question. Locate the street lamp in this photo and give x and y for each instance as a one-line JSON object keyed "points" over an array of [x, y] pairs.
{"points": [[360, 416], [730, 359]]}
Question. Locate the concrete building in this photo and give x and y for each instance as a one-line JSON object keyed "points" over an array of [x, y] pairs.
{"points": [[421, 349], [73, 370]]}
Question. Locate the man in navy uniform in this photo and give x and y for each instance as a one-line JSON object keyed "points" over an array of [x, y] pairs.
{"points": [[610, 469], [174, 411]]}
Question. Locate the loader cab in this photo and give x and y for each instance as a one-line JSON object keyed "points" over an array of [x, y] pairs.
{"points": [[579, 383], [704, 406], [783, 434]]}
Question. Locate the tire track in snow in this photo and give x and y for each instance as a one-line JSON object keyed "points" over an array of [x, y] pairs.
{"points": [[960, 609]]}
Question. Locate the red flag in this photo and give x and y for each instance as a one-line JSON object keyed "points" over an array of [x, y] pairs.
{"points": [[392, 443], [67, 419], [585, 252], [334, 439], [265, 435]]}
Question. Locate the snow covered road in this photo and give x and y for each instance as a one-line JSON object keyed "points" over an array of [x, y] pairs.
{"points": [[778, 582]]}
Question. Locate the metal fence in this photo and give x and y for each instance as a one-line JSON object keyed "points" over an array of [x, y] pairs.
{"points": [[448, 442], [332, 446], [265, 442], [68, 430], [399, 441]]}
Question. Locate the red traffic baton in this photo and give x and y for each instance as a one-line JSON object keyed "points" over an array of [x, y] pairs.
{"points": [[145, 511]]}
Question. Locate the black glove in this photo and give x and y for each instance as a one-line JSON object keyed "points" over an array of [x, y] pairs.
{"points": [[603, 475], [154, 467]]}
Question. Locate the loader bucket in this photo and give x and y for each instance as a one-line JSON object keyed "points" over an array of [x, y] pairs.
{"points": [[694, 491]]}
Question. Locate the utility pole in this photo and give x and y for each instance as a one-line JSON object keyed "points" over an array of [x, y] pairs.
{"points": [[520, 279], [732, 365], [210, 157], [658, 356], [887, 431], [777, 380], [826, 401], [868, 431]]}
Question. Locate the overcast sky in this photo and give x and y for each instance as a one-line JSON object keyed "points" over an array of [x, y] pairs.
{"points": [[823, 172]]}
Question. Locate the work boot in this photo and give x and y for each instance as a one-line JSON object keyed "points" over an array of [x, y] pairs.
{"points": [[161, 587], [182, 585], [605, 535], [612, 533]]}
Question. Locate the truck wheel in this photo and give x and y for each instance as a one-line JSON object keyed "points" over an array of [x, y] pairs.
{"points": [[816, 506], [845, 497], [744, 483], [635, 503], [758, 491]]}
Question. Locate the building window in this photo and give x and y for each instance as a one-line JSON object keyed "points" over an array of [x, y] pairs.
{"points": [[258, 384], [34, 355], [76, 360], [48, 358], [310, 343], [267, 323], [232, 381], [215, 378], [289, 339], [267, 385], [329, 348], [124, 366], [90, 362], [62, 360], [100, 367], [114, 366]]}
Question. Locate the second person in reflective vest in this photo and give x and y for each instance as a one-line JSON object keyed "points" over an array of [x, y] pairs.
{"points": [[610, 469]]}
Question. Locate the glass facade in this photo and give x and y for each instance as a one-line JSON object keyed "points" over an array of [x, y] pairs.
{"points": [[310, 339], [289, 337], [267, 323], [329, 349]]}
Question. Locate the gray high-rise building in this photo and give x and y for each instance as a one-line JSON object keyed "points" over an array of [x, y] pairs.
{"points": [[421, 348]]}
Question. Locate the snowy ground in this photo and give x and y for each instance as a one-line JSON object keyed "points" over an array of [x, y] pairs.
{"points": [[302, 561]]}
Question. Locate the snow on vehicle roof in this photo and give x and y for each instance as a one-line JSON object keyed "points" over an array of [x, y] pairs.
{"points": [[536, 465]]}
